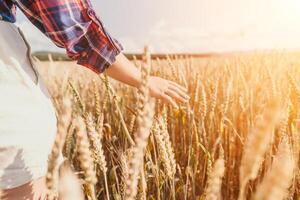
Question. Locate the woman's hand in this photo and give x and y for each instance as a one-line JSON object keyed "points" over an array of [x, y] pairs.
{"points": [[123, 70], [168, 91]]}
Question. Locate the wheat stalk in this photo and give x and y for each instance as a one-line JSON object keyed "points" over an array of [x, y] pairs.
{"points": [[124, 158], [213, 191], [168, 148], [69, 184], [277, 181], [53, 162], [135, 162], [162, 150], [85, 157], [144, 121], [203, 102], [256, 145], [97, 149], [214, 97]]}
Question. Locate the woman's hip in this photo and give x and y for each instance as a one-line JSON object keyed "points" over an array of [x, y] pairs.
{"points": [[27, 132], [27, 116]]}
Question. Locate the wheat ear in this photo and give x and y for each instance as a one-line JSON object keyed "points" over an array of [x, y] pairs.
{"points": [[135, 162], [97, 149], [213, 191], [169, 148], [277, 181], [69, 184], [144, 121], [85, 157], [162, 149], [52, 171], [257, 144]]}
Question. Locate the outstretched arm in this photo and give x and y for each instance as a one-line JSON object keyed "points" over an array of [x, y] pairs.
{"points": [[74, 26], [123, 70]]}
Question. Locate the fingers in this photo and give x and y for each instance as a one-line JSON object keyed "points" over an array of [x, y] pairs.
{"points": [[182, 95], [183, 89], [175, 95], [175, 92], [169, 99]]}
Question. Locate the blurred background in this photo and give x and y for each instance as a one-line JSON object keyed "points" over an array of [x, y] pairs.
{"points": [[189, 26]]}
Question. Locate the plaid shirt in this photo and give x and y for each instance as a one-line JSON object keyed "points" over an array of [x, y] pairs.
{"points": [[70, 24]]}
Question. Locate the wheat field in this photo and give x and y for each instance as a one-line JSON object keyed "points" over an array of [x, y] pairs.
{"points": [[237, 138]]}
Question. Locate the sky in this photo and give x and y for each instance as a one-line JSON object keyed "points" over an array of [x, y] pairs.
{"points": [[170, 26]]}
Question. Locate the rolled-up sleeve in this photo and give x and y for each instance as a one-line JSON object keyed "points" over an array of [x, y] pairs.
{"points": [[74, 25]]}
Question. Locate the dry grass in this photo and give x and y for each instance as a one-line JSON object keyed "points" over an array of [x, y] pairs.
{"points": [[223, 144]]}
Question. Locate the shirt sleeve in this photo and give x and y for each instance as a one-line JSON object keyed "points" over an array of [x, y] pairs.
{"points": [[74, 25]]}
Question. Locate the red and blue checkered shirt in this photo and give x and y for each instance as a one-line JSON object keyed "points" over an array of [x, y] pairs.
{"points": [[70, 24]]}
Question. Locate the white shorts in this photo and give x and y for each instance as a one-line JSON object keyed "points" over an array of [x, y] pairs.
{"points": [[27, 116]]}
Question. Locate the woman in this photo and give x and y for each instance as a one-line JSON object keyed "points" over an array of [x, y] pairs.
{"points": [[27, 119]]}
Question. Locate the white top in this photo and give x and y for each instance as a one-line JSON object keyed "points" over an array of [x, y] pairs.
{"points": [[27, 117]]}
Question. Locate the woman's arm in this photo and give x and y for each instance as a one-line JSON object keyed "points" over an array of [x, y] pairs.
{"points": [[73, 25], [124, 71]]}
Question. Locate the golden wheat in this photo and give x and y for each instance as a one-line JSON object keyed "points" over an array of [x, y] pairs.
{"points": [[277, 181], [213, 191], [53, 160], [257, 145], [231, 107]]}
